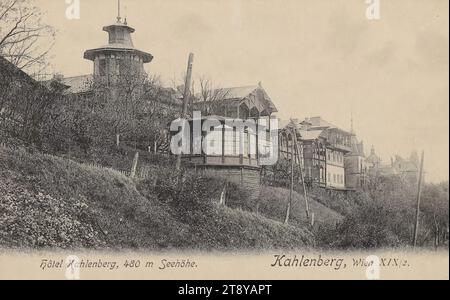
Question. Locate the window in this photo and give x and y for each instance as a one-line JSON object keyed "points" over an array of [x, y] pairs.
{"points": [[246, 143], [231, 148], [252, 149], [214, 141], [102, 67], [334, 178], [120, 35], [123, 67], [264, 144]]}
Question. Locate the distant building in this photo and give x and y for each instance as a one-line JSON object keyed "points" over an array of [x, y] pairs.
{"points": [[324, 148], [399, 166], [373, 161], [314, 142], [408, 168], [338, 145], [356, 170]]}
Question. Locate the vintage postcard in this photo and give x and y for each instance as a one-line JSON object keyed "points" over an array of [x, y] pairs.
{"points": [[224, 140]]}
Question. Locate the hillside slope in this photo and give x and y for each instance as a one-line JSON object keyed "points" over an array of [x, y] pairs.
{"points": [[273, 202], [50, 202]]}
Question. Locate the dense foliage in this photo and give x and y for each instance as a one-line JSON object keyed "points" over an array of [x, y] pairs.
{"points": [[385, 217]]}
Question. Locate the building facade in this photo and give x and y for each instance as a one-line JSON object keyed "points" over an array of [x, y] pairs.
{"points": [[331, 157], [356, 169], [230, 151], [330, 144]]}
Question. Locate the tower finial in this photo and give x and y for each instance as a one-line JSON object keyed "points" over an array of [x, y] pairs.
{"points": [[125, 15], [118, 11]]}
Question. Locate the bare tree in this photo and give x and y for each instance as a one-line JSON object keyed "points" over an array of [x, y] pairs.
{"points": [[24, 39], [209, 97], [157, 110], [135, 107], [122, 95]]}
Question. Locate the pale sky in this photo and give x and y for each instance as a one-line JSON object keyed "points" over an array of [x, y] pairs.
{"points": [[313, 57]]}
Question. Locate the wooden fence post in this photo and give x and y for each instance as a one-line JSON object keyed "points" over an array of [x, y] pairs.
{"points": [[134, 167], [223, 196]]}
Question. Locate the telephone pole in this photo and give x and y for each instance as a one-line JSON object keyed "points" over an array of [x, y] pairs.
{"points": [[297, 147], [186, 94], [291, 185], [419, 192]]}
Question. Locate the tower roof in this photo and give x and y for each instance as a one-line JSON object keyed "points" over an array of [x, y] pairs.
{"points": [[119, 41]]}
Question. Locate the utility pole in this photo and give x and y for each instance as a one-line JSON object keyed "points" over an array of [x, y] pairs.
{"points": [[300, 169], [186, 94], [419, 192], [187, 85], [291, 187]]}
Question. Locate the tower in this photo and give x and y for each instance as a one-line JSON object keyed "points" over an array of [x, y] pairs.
{"points": [[355, 161], [119, 57]]}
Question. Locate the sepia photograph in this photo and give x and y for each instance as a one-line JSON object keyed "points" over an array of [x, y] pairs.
{"points": [[224, 140]]}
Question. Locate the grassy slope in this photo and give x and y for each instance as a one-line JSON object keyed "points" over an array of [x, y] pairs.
{"points": [[51, 202], [274, 201]]}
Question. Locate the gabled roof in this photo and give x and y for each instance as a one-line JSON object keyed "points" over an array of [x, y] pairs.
{"points": [[357, 147], [238, 92], [387, 170], [247, 94], [15, 74], [319, 122], [73, 85], [7, 67], [308, 135], [406, 165], [78, 84], [282, 124]]}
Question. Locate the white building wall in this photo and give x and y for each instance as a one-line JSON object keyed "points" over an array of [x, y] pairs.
{"points": [[335, 169], [335, 176]]}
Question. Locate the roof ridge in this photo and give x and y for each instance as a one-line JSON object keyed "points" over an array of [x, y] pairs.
{"points": [[87, 75], [238, 87]]}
